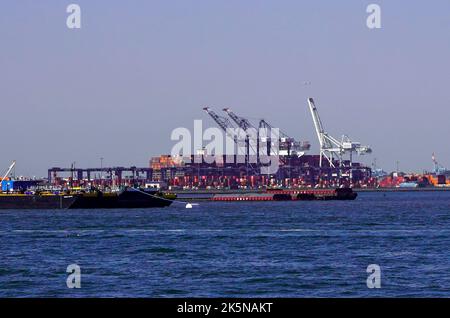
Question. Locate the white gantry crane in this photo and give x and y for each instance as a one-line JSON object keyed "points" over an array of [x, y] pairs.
{"points": [[331, 147], [13, 164]]}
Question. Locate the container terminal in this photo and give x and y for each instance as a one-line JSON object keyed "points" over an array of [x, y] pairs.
{"points": [[334, 167]]}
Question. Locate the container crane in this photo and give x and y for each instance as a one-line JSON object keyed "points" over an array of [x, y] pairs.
{"points": [[288, 145], [331, 147], [438, 168], [240, 121], [245, 125], [266, 139], [225, 124]]}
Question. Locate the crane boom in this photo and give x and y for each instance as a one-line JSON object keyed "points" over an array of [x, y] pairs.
{"points": [[325, 140], [251, 141], [316, 120], [263, 123], [223, 122], [242, 122], [13, 164], [226, 125], [285, 141], [329, 145]]}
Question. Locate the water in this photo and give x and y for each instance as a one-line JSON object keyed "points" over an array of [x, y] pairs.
{"points": [[261, 249]]}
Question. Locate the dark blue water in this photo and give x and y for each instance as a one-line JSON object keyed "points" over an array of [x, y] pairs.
{"points": [[279, 249]]}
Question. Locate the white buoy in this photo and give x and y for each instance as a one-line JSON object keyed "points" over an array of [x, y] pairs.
{"points": [[188, 206]]}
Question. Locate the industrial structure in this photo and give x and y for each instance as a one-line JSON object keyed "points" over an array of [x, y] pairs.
{"points": [[8, 171], [332, 167], [296, 168], [113, 176], [332, 148]]}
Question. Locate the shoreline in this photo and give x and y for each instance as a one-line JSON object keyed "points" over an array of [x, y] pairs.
{"points": [[207, 195], [427, 189], [241, 191]]}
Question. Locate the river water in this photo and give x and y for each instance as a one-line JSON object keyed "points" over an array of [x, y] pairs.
{"points": [[235, 249]]}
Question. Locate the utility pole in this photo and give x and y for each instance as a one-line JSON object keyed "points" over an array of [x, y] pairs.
{"points": [[73, 170], [101, 171]]}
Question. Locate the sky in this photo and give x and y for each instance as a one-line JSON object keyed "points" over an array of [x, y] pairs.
{"points": [[136, 70]]}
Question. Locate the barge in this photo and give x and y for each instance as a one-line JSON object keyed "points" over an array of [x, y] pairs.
{"points": [[129, 198], [290, 195]]}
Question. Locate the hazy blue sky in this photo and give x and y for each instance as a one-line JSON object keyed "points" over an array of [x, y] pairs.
{"points": [[138, 69]]}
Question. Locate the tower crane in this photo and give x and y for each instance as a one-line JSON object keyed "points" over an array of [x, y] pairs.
{"points": [[331, 147]]}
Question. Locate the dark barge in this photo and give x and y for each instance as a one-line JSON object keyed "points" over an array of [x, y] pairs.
{"points": [[129, 198]]}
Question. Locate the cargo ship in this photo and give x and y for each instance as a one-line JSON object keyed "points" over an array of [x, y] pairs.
{"points": [[128, 198]]}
